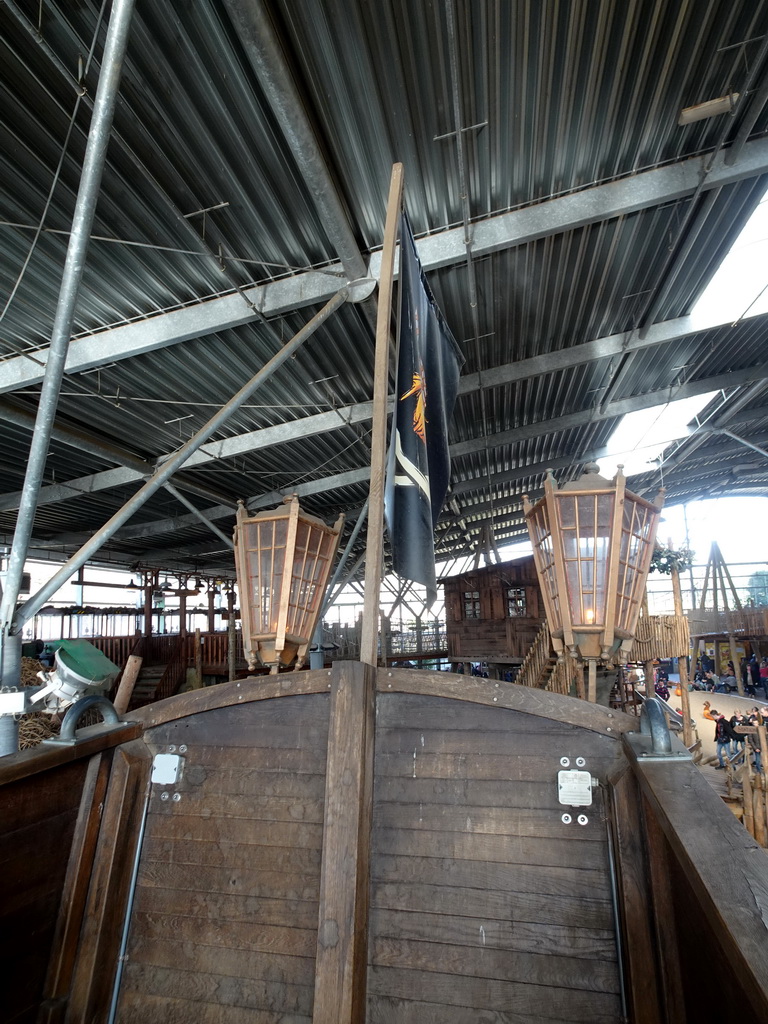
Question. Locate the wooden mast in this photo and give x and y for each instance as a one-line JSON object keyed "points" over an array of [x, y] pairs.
{"points": [[374, 560]]}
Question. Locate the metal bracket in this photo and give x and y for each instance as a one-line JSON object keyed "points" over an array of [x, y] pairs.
{"points": [[68, 736], [655, 742]]}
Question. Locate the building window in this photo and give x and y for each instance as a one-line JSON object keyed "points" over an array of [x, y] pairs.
{"points": [[516, 602], [471, 604]]}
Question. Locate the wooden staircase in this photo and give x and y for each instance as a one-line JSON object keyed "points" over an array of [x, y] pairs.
{"points": [[541, 668]]}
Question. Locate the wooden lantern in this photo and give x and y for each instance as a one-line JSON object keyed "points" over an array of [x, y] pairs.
{"points": [[283, 558], [592, 543]]}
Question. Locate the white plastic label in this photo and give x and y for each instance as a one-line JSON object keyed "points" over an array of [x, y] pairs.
{"points": [[574, 788], [165, 769]]}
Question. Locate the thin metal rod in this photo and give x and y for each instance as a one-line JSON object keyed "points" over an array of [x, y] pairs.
{"points": [[85, 208], [200, 515], [343, 560], [166, 470]]}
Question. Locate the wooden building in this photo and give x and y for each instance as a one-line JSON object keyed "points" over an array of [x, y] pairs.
{"points": [[493, 614]]}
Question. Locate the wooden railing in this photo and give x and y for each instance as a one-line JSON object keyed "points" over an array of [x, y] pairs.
{"points": [[562, 676], [537, 660], [175, 671], [741, 622], [661, 636]]}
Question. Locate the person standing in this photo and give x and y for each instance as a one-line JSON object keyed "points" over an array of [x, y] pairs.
{"points": [[723, 735]]}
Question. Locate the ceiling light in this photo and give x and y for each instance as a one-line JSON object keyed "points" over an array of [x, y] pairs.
{"points": [[710, 108]]}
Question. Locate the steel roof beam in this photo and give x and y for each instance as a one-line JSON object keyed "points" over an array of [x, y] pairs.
{"points": [[443, 248]]}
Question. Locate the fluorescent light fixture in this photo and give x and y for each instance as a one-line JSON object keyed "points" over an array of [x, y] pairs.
{"points": [[711, 108], [642, 436]]}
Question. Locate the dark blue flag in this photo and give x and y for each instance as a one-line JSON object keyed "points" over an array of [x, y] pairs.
{"points": [[419, 466]]}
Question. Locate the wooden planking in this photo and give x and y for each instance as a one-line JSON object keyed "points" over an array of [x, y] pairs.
{"points": [[227, 898], [139, 1008], [387, 1009], [210, 853], [219, 990], [501, 695], [48, 756], [730, 891], [238, 963], [342, 939], [466, 803], [257, 910], [478, 997], [275, 882], [505, 849], [481, 962], [185, 707], [530, 820], [562, 880], [283, 808], [38, 823], [493, 904], [511, 935], [239, 832], [207, 931]]}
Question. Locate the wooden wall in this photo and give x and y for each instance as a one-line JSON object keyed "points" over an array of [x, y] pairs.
{"points": [[38, 823], [224, 925], [495, 635], [482, 899]]}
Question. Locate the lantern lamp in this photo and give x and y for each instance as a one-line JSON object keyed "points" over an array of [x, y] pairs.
{"points": [[283, 558], [592, 545]]}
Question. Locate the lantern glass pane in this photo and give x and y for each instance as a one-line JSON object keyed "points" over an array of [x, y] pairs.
{"points": [[264, 544], [544, 558], [634, 554], [585, 523], [311, 563]]}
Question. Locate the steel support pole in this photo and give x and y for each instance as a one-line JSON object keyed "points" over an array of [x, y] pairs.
{"points": [[85, 207], [201, 516], [257, 35], [174, 462]]}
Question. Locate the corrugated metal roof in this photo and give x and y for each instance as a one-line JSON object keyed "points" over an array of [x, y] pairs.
{"points": [[495, 108]]}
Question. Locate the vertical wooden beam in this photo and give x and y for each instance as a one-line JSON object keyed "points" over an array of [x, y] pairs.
{"points": [[127, 683], [682, 666], [72, 908], [342, 943], [642, 978], [374, 561], [110, 883]]}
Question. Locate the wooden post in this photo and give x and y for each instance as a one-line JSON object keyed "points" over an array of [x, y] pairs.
{"points": [[341, 964], [736, 664], [149, 580], [592, 685], [183, 610], [682, 664], [127, 683], [231, 637], [198, 660], [374, 561], [211, 609]]}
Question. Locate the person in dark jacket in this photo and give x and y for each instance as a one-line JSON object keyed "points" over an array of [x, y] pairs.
{"points": [[724, 735]]}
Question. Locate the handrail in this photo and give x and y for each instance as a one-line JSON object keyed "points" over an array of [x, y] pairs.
{"points": [[175, 671], [536, 659]]}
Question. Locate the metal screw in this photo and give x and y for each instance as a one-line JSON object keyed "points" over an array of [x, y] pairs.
{"points": [[566, 819], [183, 748], [164, 796], [580, 762], [172, 749], [582, 819], [565, 761], [176, 797], [495, 699]]}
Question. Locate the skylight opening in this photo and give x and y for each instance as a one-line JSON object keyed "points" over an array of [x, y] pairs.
{"points": [[641, 437], [739, 287]]}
